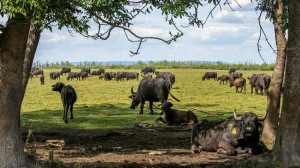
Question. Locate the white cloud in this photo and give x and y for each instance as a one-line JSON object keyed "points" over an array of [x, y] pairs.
{"points": [[52, 37]]}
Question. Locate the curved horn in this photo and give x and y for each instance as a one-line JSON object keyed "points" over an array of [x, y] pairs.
{"points": [[132, 90], [236, 117], [262, 118]]}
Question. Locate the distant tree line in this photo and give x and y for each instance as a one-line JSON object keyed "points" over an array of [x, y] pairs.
{"points": [[158, 65]]}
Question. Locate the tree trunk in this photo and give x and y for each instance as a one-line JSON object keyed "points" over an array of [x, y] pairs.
{"points": [[12, 50], [32, 44], [287, 146], [271, 122]]}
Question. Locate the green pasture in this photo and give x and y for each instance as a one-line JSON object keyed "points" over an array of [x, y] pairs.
{"points": [[105, 104]]}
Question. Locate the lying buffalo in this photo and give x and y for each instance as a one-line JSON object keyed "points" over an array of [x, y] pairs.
{"points": [[152, 90], [68, 97], [209, 75], [176, 117], [223, 78], [233, 135]]}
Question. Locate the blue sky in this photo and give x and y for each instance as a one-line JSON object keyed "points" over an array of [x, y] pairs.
{"points": [[229, 36]]}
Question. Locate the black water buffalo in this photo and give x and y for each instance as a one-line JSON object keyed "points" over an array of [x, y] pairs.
{"points": [[65, 70], [170, 78], [68, 97], [176, 117], [42, 79], [113, 74], [54, 75], [238, 82], [233, 135], [223, 78], [152, 90], [262, 83], [36, 73], [83, 75], [107, 76], [96, 72], [231, 70], [121, 76], [147, 70], [73, 75], [87, 70], [209, 75], [132, 75], [238, 74], [147, 76], [101, 71], [252, 81], [33, 69]]}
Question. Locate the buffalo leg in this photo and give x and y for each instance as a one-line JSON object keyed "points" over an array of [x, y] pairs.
{"points": [[226, 148], [142, 107], [220, 82], [159, 119], [71, 110], [66, 113], [151, 108]]}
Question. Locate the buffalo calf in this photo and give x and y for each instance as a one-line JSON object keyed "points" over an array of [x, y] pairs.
{"points": [[223, 78], [176, 117], [68, 97]]}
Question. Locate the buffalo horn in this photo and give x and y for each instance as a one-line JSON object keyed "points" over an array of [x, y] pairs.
{"points": [[236, 117], [262, 118], [132, 90]]}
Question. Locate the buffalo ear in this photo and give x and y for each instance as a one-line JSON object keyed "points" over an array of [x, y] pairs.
{"points": [[53, 85], [131, 96]]}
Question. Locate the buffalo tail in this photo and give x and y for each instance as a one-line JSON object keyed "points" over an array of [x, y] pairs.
{"points": [[174, 97]]}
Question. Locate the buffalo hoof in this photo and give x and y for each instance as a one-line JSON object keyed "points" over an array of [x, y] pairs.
{"points": [[66, 121], [72, 118]]}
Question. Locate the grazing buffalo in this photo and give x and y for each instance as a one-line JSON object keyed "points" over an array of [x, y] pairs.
{"points": [[238, 82], [42, 79], [132, 75], [176, 117], [107, 76], [33, 69], [146, 76], [262, 83], [232, 70], [83, 75], [223, 78], [36, 73], [101, 76], [87, 70], [68, 97], [65, 70], [73, 75], [121, 76], [233, 135], [97, 72], [54, 75], [102, 71], [152, 90], [147, 70], [209, 75]]}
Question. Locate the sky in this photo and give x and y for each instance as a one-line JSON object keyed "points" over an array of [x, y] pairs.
{"points": [[230, 36]]}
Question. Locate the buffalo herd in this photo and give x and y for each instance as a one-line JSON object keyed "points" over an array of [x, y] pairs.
{"points": [[234, 135]]}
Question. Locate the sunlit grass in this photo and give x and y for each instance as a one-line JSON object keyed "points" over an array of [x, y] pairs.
{"points": [[105, 104]]}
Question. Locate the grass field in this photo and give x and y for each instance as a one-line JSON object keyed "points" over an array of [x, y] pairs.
{"points": [[42, 108]]}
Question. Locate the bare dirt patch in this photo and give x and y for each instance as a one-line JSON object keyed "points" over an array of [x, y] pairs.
{"points": [[139, 147]]}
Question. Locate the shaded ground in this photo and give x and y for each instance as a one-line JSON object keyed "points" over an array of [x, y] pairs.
{"points": [[139, 147]]}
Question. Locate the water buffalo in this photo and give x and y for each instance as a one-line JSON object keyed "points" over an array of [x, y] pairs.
{"points": [[73, 75], [33, 69], [83, 75], [262, 83], [65, 70], [101, 76], [132, 75], [54, 75], [97, 72], [102, 71], [107, 76], [209, 75], [147, 70], [233, 135], [152, 90], [232, 70], [168, 76], [113, 74], [176, 117], [147, 76], [68, 97], [252, 81], [223, 78], [36, 73], [238, 74], [238, 82], [87, 70], [42, 79]]}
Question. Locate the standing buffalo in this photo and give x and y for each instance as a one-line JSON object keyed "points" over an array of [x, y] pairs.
{"points": [[68, 97], [36, 73], [147, 70], [65, 70], [223, 78], [42, 79], [101, 76], [176, 117], [83, 75], [238, 74], [152, 90], [107, 76], [238, 82], [209, 75], [262, 83], [132, 75], [73, 75], [168, 76], [232, 70], [97, 72], [87, 70], [252, 81], [33, 69], [54, 75], [233, 135]]}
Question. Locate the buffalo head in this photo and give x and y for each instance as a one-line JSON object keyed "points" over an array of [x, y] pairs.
{"points": [[58, 86], [250, 122], [135, 99]]}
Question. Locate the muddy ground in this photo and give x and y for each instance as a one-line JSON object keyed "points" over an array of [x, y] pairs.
{"points": [[139, 147]]}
